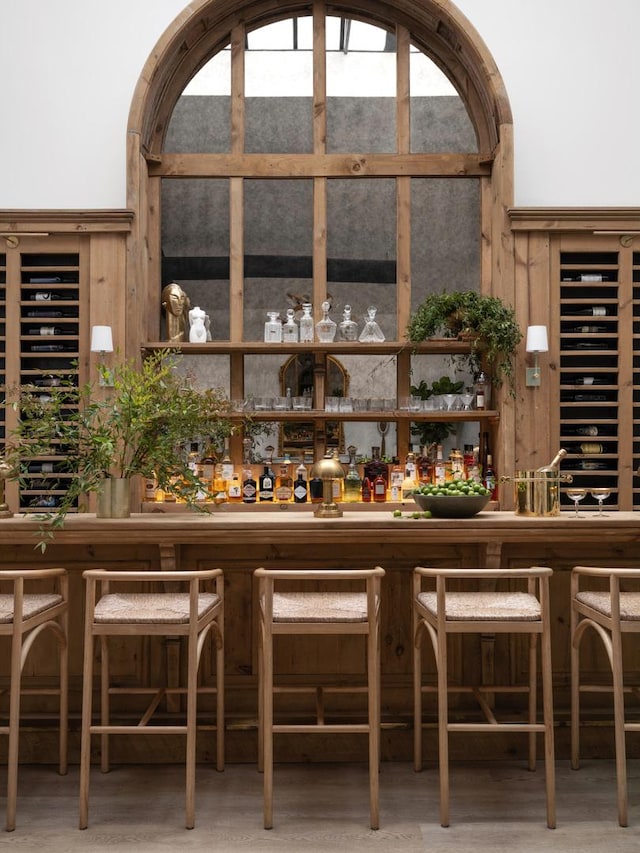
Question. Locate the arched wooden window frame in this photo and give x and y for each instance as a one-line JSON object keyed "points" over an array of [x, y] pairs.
{"points": [[206, 26]]}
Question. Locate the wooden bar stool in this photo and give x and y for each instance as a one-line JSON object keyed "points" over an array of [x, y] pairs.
{"points": [[23, 617], [610, 612], [192, 614], [319, 613], [442, 612]]}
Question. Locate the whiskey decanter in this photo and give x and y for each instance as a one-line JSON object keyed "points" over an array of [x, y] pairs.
{"points": [[290, 329], [306, 324], [273, 328], [325, 328], [348, 327], [371, 333]]}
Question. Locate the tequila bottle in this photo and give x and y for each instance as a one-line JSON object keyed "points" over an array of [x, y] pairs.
{"points": [[290, 328], [348, 327], [325, 328], [306, 324], [352, 480]]}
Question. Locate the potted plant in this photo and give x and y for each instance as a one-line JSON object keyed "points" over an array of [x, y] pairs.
{"points": [[140, 426], [486, 321]]}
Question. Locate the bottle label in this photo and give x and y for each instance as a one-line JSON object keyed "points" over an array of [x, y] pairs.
{"points": [[235, 491], [300, 492], [249, 492]]}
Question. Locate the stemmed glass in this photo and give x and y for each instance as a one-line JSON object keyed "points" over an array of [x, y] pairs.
{"points": [[576, 495], [601, 494], [450, 400], [466, 400]]}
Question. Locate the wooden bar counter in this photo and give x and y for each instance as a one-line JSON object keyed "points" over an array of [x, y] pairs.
{"points": [[238, 540]]}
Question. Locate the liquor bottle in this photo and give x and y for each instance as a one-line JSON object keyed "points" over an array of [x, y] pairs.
{"points": [[457, 464], [234, 489], [265, 484], [348, 328], [554, 465], [290, 333], [249, 487], [396, 479], [325, 327], [375, 467], [379, 489], [192, 457], [366, 490], [150, 488], [284, 485], [468, 461], [207, 466], [227, 464], [316, 490], [306, 324], [481, 390], [352, 480], [300, 487], [410, 480], [490, 479], [219, 485], [424, 467], [273, 328], [439, 468]]}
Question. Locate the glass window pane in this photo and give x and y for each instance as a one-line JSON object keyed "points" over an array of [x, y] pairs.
{"points": [[439, 120], [361, 249], [201, 119], [195, 246], [278, 244], [361, 88]]}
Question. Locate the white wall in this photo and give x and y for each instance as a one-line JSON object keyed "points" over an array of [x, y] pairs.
{"points": [[69, 69]]}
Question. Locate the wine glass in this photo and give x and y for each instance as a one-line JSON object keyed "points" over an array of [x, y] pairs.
{"points": [[601, 494], [576, 495]]}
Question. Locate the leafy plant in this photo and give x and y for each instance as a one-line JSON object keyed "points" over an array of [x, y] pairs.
{"points": [[490, 325], [141, 427], [431, 433]]}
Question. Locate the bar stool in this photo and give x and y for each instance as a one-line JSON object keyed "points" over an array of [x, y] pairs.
{"points": [[319, 613], [193, 615], [442, 612], [23, 617], [611, 613]]}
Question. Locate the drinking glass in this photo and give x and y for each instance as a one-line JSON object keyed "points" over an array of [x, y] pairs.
{"points": [[450, 401], [601, 494], [576, 495], [466, 399]]}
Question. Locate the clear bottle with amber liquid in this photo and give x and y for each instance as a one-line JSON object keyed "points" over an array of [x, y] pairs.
{"points": [[352, 480], [284, 485]]}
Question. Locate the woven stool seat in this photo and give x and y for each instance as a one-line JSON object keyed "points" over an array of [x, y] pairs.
{"points": [[159, 607], [319, 607], [601, 601], [484, 606], [23, 617]]}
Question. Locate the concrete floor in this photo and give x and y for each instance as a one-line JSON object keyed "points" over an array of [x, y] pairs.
{"points": [[324, 807]]}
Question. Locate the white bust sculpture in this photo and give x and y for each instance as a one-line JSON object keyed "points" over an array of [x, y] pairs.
{"points": [[197, 328]]}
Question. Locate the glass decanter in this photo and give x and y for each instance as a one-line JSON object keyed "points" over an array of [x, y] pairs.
{"points": [[371, 333], [306, 324], [273, 328], [290, 328], [348, 328], [325, 328]]}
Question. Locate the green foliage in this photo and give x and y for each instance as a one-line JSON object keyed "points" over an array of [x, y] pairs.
{"points": [[490, 325], [431, 433], [140, 426]]}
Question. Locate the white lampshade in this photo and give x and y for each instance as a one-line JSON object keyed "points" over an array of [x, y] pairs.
{"points": [[101, 339], [537, 339]]}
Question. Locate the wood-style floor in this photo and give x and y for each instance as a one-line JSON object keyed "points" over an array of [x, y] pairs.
{"points": [[323, 807]]}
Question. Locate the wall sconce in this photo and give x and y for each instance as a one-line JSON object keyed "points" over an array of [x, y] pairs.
{"points": [[537, 342], [102, 342]]}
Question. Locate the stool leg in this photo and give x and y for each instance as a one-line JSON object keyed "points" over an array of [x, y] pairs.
{"points": [[64, 693], [373, 676], [85, 739], [618, 723], [417, 697], [14, 729], [220, 702], [533, 704], [192, 695], [105, 758], [443, 727], [575, 692], [266, 725], [547, 705]]}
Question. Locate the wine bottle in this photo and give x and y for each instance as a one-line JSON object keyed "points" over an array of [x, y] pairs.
{"points": [[45, 330], [592, 311], [554, 465], [53, 347]]}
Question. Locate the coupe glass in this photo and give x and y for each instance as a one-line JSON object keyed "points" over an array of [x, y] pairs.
{"points": [[601, 494], [576, 495]]}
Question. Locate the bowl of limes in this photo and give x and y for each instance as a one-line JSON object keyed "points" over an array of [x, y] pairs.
{"points": [[458, 498]]}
